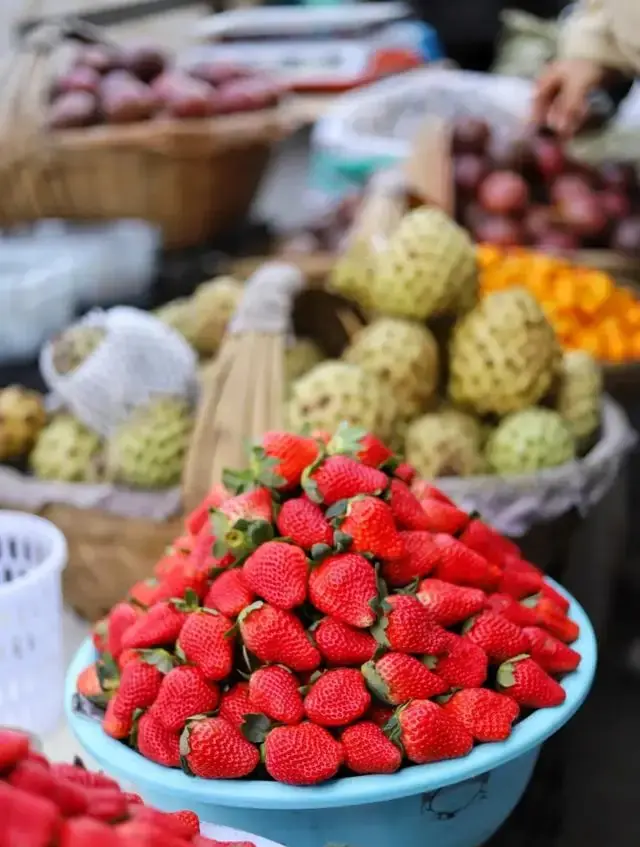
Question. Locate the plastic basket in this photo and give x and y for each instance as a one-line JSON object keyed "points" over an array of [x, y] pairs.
{"points": [[33, 553]]}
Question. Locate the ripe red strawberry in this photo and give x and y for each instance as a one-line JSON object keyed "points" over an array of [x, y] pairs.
{"points": [[121, 618], [125, 657], [305, 754], [552, 618], [282, 457], [277, 636], [421, 555], [552, 655], [368, 750], [406, 508], [206, 640], [352, 441], [80, 776], [340, 478], [213, 748], [450, 604], [182, 578], [278, 573], [487, 715], [184, 692], [428, 734], [366, 525], [397, 678], [234, 704], [408, 627], [424, 490], [182, 825], [242, 522], [88, 686], [117, 722], [14, 747], [229, 593], [524, 680], [379, 714], [135, 833], [507, 607], [550, 593], [343, 645], [143, 593], [140, 682], [159, 627], [443, 517], [26, 818], [462, 566], [78, 832], [519, 583], [337, 698], [157, 743], [274, 692], [345, 587], [499, 638], [190, 823], [199, 517], [304, 523], [253, 505], [30, 776], [464, 665], [405, 472], [482, 538]]}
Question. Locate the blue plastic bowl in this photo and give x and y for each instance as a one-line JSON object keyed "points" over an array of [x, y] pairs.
{"points": [[458, 803]]}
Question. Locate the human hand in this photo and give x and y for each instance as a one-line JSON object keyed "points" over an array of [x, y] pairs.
{"points": [[562, 91]]}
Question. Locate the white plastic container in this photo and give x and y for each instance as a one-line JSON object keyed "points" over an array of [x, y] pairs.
{"points": [[33, 554]]}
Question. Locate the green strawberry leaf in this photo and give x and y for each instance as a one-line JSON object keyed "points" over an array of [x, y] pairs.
{"points": [[248, 610], [108, 673], [309, 485], [255, 728], [191, 598], [506, 674], [237, 481], [532, 601], [468, 625], [347, 439], [337, 510], [320, 552], [379, 631], [259, 532], [185, 747], [430, 662], [444, 698], [159, 659], [393, 731], [179, 654], [342, 541], [410, 589], [375, 683], [250, 660]]}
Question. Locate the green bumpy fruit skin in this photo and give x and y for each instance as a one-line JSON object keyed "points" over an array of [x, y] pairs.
{"points": [[529, 441]]}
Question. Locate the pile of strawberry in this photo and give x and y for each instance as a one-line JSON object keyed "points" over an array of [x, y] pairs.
{"points": [[336, 615], [58, 805]]}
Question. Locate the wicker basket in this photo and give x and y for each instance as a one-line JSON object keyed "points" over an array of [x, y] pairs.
{"points": [[193, 178]]}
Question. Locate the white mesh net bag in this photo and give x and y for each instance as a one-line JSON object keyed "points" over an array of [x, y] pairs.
{"points": [[138, 359]]}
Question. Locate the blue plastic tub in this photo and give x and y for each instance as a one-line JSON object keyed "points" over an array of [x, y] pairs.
{"points": [[458, 803]]}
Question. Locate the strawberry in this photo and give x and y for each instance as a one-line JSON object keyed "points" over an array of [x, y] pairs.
{"points": [[340, 478], [408, 627], [282, 457], [406, 508], [229, 593], [199, 517], [99, 635], [305, 754], [242, 523], [278, 573], [189, 821], [157, 743], [183, 577], [428, 734], [107, 805], [88, 685], [322, 436], [464, 665], [78, 832], [83, 777], [519, 582], [355, 442], [304, 523], [337, 698], [379, 714], [26, 818], [159, 627], [206, 640], [482, 538], [524, 680], [487, 715], [117, 721], [405, 472], [234, 704], [143, 593], [443, 517], [450, 604], [424, 490], [345, 587], [552, 655], [140, 681], [184, 692], [462, 566], [368, 750], [174, 824], [121, 618], [343, 645], [499, 638], [558, 599], [421, 555], [366, 525], [30, 776], [213, 748], [397, 678], [274, 692], [507, 607], [277, 636], [125, 658], [135, 833], [552, 618]]}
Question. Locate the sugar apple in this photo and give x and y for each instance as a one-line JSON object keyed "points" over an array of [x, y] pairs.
{"points": [[504, 354], [428, 268], [74, 346], [300, 357], [179, 315], [214, 304], [68, 452], [444, 444], [22, 417], [336, 391], [403, 357], [149, 449], [579, 395], [528, 441]]}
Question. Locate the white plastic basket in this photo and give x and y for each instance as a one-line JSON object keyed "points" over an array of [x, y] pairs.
{"points": [[33, 553]]}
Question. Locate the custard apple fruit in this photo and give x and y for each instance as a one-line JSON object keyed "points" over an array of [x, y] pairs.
{"points": [[149, 449], [300, 357], [75, 346], [403, 357], [444, 444], [335, 391], [528, 441], [68, 452], [22, 417], [579, 395], [504, 354]]}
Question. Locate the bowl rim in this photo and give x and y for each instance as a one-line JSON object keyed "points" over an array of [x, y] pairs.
{"points": [[126, 764]]}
